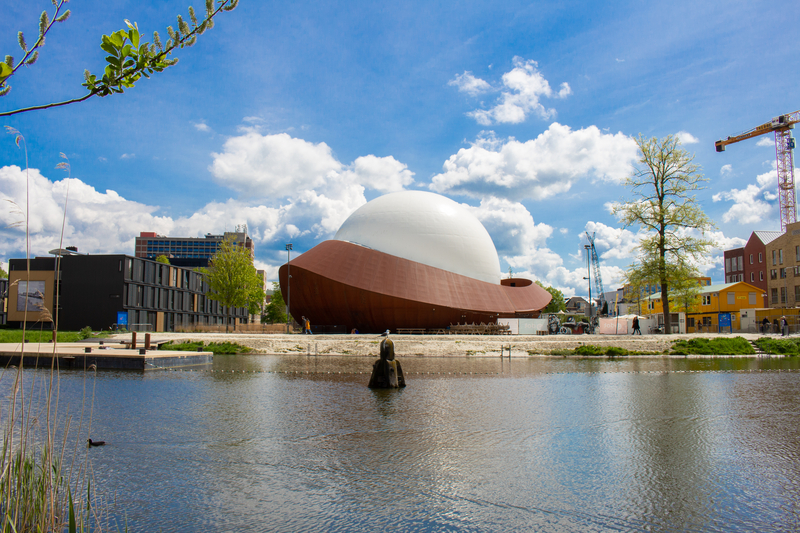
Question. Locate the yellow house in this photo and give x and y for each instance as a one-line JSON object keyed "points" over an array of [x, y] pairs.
{"points": [[716, 307]]}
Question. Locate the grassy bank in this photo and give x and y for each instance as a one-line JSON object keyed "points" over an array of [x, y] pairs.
{"points": [[717, 346], [779, 346], [591, 349], [695, 346], [218, 348]]}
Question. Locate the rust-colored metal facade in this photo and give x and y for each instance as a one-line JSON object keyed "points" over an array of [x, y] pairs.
{"points": [[340, 283]]}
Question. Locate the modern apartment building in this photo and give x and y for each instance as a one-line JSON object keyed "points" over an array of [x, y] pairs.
{"points": [[104, 291], [783, 265], [189, 251]]}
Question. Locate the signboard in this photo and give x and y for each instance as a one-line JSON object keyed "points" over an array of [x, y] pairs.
{"points": [[122, 318], [725, 322]]}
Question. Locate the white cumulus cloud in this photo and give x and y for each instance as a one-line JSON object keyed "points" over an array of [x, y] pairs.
{"points": [[686, 138], [467, 83], [538, 168], [766, 141], [524, 86], [752, 204]]}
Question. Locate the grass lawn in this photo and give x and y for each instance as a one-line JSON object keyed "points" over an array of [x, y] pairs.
{"points": [[44, 335]]}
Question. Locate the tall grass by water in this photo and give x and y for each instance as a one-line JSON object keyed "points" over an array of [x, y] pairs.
{"points": [[45, 474]]}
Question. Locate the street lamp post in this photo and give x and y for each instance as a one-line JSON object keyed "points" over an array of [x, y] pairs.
{"points": [[288, 286]]}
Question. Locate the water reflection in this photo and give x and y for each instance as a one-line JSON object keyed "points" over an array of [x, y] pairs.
{"points": [[556, 444]]}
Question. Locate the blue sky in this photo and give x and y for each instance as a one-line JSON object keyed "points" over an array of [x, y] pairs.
{"points": [[288, 116]]}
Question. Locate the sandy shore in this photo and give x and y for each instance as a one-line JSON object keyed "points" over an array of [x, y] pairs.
{"points": [[432, 345]]}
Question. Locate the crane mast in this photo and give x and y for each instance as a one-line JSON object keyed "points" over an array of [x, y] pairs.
{"points": [[784, 144], [598, 280]]}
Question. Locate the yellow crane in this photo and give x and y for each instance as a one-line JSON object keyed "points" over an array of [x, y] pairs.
{"points": [[784, 144]]}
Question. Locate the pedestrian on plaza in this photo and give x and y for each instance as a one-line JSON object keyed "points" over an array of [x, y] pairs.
{"points": [[636, 326], [784, 327], [307, 325]]}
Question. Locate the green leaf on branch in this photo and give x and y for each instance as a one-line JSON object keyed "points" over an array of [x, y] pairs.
{"points": [[5, 72]]}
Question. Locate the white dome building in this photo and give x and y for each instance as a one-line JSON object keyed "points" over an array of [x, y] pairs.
{"points": [[410, 259], [427, 228]]}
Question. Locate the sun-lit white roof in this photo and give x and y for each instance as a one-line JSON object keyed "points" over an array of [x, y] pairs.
{"points": [[427, 228]]}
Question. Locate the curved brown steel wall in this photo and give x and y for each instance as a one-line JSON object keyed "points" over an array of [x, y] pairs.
{"points": [[339, 283]]}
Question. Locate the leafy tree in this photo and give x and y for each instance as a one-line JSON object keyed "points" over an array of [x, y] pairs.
{"points": [[129, 58], [666, 209], [275, 312], [557, 303], [685, 291], [3, 273], [232, 279], [162, 259]]}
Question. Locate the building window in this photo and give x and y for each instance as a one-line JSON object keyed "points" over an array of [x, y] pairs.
{"points": [[774, 258], [706, 299], [797, 253], [761, 276], [783, 295], [759, 257], [752, 296], [773, 274], [780, 256], [774, 294], [727, 264], [797, 293], [690, 322], [751, 259], [783, 273], [752, 277]]}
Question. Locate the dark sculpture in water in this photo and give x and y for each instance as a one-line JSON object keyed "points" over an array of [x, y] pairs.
{"points": [[386, 372]]}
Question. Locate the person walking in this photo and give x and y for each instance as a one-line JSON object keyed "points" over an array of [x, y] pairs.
{"points": [[784, 327], [307, 326], [636, 326]]}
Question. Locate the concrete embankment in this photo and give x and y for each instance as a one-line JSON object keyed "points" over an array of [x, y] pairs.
{"points": [[436, 345]]}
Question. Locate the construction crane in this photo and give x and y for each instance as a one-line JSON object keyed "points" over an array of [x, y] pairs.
{"points": [[784, 144], [598, 280]]}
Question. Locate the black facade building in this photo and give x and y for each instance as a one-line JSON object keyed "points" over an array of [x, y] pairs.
{"points": [[107, 291]]}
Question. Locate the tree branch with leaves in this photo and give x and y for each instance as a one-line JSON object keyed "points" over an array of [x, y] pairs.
{"points": [[128, 59]]}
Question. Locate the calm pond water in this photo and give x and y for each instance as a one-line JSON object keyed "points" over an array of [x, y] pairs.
{"points": [[298, 443]]}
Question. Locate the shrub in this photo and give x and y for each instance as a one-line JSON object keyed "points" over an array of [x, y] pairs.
{"points": [[218, 348], [716, 346], [779, 346]]}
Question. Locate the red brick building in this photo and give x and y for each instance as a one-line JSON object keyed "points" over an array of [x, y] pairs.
{"points": [[749, 264]]}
